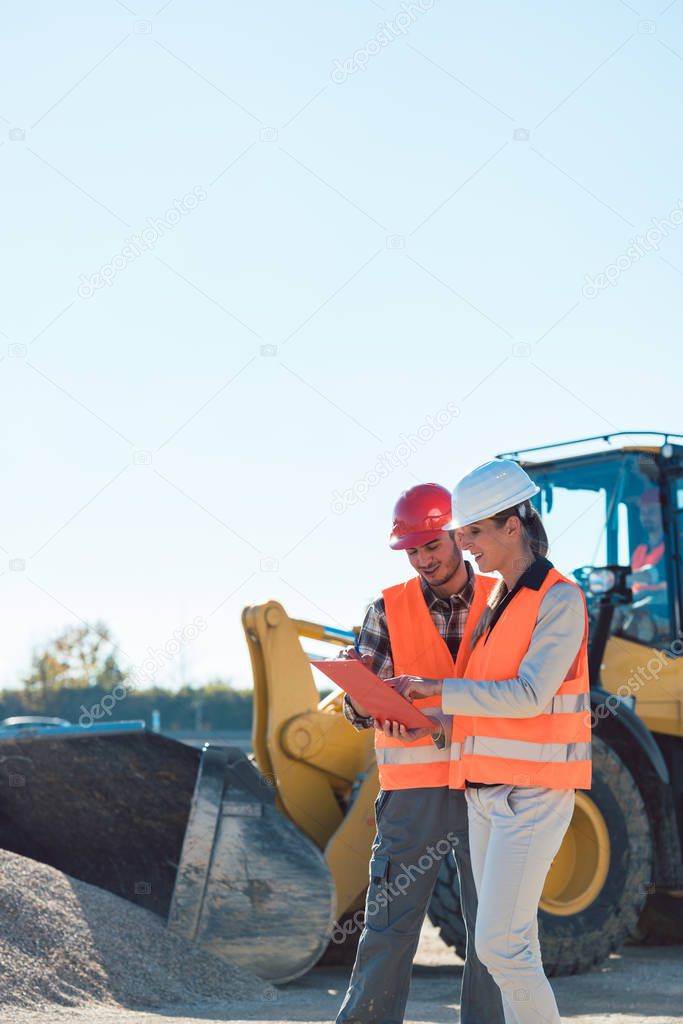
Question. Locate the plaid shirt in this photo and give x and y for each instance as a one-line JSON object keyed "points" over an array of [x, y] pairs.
{"points": [[449, 615]]}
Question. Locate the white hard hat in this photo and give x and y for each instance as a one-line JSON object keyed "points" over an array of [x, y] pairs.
{"points": [[488, 489]]}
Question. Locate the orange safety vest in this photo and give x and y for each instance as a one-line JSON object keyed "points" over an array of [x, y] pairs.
{"points": [[418, 649], [641, 557], [552, 749]]}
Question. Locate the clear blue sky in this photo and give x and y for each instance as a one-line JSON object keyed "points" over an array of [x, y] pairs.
{"points": [[413, 231]]}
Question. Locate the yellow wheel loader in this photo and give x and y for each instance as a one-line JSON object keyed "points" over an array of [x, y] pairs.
{"points": [[609, 513]]}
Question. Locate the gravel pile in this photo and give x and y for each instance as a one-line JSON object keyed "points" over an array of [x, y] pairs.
{"points": [[67, 943]]}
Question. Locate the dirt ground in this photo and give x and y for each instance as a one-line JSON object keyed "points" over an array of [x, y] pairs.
{"points": [[640, 986]]}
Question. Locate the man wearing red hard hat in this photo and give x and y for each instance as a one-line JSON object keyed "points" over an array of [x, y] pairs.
{"points": [[416, 625]]}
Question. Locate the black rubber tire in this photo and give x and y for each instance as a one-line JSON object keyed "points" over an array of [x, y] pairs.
{"points": [[444, 908], [661, 922], [573, 944], [343, 953]]}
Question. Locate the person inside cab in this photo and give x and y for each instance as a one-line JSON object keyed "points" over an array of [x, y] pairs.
{"points": [[647, 559], [648, 573]]}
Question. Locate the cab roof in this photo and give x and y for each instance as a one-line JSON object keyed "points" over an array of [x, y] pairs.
{"points": [[602, 444]]}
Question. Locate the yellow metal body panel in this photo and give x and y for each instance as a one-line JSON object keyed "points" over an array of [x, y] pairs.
{"points": [[348, 851], [322, 740], [652, 676], [308, 751]]}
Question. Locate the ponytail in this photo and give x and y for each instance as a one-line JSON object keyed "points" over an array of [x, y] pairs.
{"points": [[534, 529]]}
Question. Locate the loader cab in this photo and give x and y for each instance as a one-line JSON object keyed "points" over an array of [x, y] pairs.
{"points": [[620, 507]]}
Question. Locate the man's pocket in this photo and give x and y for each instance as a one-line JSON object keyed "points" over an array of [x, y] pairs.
{"points": [[381, 802], [377, 906]]}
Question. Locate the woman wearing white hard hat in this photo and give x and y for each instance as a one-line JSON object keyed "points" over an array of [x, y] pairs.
{"points": [[520, 743]]}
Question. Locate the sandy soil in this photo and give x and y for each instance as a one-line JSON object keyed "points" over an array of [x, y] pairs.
{"points": [[64, 942], [640, 986]]}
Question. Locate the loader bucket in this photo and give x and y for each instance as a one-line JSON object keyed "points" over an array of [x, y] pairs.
{"points": [[191, 835], [250, 885]]}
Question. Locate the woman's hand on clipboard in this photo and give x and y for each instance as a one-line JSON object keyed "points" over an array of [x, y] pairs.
{"points": [[415, 687], [412, 687]]}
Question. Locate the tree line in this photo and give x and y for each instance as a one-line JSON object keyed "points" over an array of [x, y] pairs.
{"points": [[81, 666]]}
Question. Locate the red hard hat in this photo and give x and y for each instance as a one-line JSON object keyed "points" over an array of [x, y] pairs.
{"points": [[420, 515]]}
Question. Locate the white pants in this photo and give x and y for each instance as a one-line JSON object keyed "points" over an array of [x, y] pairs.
{"points": [[515, 832]]}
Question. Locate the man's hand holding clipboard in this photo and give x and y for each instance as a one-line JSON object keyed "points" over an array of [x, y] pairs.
{"points": [[350, 653]]}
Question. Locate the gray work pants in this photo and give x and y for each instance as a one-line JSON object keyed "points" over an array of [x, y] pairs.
{"points": [[514, 834], [416, 828]]}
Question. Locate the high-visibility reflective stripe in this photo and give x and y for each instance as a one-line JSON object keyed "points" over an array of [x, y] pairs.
{"points": [[388, 741], [550, 728], [569, 703], [411, 755], [548, 774], [519, 750]]}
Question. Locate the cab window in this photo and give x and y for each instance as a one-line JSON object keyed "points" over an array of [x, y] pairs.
{"points": [[608, 511]]}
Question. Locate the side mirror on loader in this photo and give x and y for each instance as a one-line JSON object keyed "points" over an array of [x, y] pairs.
{"points": [[610, 584], [606, 588]]}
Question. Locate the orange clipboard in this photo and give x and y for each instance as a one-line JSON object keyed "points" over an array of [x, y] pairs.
{"points": [[377, 697]]}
